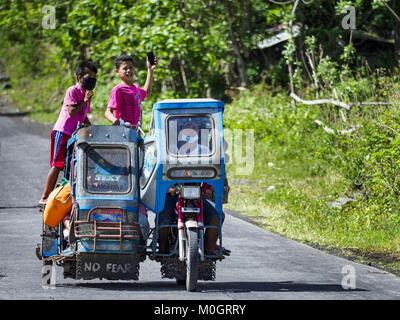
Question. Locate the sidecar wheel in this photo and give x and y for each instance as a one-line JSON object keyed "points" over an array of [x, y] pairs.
{"points": [[192, 251]]}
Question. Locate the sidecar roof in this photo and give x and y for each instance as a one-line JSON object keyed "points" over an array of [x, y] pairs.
{"points": [[188, 104]]}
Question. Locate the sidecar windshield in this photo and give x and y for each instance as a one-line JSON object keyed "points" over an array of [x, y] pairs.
{"points": [[190, 135], [108, 170]]}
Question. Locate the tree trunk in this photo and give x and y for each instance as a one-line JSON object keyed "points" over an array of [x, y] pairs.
{"points": [[397, 41], [183, 75], [394, 9], [241, 64], [295, 52]]}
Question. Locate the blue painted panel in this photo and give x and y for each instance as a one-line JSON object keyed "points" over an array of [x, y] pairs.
{"points": [[188, 103]]}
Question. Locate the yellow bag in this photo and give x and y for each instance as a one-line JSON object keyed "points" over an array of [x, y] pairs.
{"points": [[59, 204]]}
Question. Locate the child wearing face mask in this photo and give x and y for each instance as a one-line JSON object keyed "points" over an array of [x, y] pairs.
{"points": [[75, 107], [126, 97]]}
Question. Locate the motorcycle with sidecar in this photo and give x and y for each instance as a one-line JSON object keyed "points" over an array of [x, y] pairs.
{"points": [[114, 172], [170, 159]]}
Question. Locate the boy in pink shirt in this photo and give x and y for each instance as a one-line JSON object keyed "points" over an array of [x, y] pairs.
{"points": [[75, 107], [126, 97]]}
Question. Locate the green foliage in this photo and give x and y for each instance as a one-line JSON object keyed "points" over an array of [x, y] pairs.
{"points": [[191, 39], [370, 161], [310, 168], [327, 70], [286, 132]]}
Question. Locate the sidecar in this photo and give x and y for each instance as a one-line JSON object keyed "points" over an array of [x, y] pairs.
{"points": [[163, 165], [105, 237]]}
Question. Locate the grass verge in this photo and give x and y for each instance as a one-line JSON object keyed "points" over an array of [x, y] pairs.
{"points": [[297, 190]]}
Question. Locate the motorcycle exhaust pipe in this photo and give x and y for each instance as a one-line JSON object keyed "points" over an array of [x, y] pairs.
{"points": [[181, 236]]}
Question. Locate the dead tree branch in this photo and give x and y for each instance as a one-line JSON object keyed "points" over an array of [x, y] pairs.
{"points": [[346, 106], [332, 131], [320, 101]]}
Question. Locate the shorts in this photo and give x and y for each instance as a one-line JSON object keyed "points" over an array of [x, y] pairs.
{"points": [[168, 216], [58, 150]]}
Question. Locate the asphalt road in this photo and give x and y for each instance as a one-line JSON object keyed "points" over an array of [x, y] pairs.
{"points": [[262, 265]]}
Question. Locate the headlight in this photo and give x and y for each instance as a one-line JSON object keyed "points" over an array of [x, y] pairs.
{"points": [[191, 192]]}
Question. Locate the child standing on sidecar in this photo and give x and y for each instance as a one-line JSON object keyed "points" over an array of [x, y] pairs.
{"points": [[126, 97], [75, 107]]}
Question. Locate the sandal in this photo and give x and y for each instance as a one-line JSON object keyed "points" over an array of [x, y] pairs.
{"points": [[213, 255], [41, 206], [225, 252]]}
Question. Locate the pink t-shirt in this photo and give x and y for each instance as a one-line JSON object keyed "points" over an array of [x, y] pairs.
{"points": [[126, 101], [65, 122]]}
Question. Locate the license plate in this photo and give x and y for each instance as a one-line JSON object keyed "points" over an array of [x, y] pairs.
{"points": [[190, 210], [109, 266]]}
